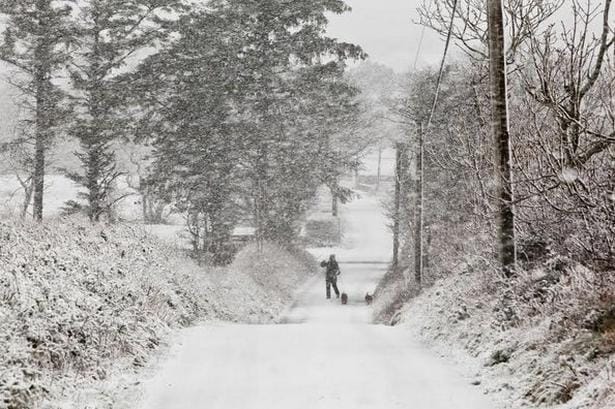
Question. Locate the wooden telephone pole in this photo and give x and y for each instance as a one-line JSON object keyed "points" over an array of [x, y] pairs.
{"points": [[499, 108]]}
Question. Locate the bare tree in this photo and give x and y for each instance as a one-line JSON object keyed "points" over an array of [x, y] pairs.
{"points": [[566, 69], [522, 18], [565, 151], [155, 206], [17, 154], [34, 43]]}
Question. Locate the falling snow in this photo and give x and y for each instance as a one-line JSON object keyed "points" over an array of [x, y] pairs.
{"points": [[175, 174]]}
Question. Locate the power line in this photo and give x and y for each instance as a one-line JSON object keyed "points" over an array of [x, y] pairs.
{"points": [[418, 252], [418, 51], [420, 47], [441, 73]]}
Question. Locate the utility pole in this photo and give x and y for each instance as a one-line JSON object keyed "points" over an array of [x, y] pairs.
{"points": [[499, 110], [418, 234], [401, 159]]}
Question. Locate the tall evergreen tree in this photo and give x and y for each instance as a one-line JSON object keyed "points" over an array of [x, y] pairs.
{"points": [[111, 34], [277, 43], [185, 94], [243, 108], [35, 42]]}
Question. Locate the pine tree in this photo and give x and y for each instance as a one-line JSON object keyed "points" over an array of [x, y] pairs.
{"points": [[242, 112], [278, 45], [185, 94], [35, 42], [111, 33]]}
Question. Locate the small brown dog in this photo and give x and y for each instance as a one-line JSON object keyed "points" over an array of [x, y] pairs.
{"points": [[369, 298], [344, 298]]}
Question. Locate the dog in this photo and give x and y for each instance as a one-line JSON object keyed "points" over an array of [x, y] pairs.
{"points": [[368, 298], [344, 298]]}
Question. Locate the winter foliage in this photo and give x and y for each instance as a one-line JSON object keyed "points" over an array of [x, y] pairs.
{"points": [[78, 303], [234, 115], [550, 323]]}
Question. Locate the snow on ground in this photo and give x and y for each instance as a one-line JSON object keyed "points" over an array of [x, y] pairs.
{"points": [[83, 308], [370, 162], [58, 190], [325, 355], [522, 366]]}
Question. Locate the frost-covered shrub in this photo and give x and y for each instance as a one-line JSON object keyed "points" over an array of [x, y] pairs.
{"points": [[260, 282], [273, 266], [77, 298], [390, 295], [551, 327], [571, 294]]}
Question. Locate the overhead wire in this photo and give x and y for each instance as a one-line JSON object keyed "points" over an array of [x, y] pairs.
{"points": [[419, 49], [442, 64], [422, 132]]}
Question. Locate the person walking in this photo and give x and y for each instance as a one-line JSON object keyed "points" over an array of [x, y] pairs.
{"points": [[333, 270]]}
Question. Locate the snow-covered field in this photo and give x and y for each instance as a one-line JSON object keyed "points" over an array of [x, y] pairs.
{"points": [[325, 355], [58, 190]]}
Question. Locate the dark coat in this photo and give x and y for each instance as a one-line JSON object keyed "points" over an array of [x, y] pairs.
{"points": [[333, 270]]}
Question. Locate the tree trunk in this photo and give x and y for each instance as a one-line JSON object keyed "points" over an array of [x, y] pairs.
{"points": [[418, 234], [28, 187], [145, 205], [499, 108], [92, 183], [42, 84], [95, 141], [426, 247], [334, 204], [260, 207], [192, 223], [379, 175], [158, 212], [40, 147]]}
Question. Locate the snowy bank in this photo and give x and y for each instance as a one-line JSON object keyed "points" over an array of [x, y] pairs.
{"points": [[544, 339], [79, 303]]}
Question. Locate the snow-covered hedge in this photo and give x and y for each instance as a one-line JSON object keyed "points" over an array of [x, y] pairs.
{"points": [[77, 299], [546, 337]]}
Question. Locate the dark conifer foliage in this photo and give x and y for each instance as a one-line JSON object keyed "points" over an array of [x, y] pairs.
{"points": [[242, 109], [36, 42], [110, 34]]}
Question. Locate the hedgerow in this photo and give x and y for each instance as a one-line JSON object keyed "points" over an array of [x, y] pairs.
{"points": [[77, 298]]}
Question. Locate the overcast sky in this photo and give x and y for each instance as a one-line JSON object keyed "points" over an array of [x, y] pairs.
{"points": [[385, 29]]}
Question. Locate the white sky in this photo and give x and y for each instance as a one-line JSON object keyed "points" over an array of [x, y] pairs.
{"points": [[385, 30]]}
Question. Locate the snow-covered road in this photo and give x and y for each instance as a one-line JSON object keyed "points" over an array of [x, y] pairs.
{"points": [[325, 355]]}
